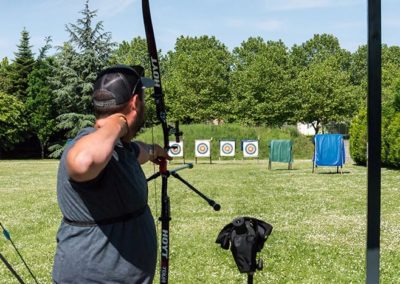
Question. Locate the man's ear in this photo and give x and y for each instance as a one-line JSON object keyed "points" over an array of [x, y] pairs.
{"points": [[134, 102]]}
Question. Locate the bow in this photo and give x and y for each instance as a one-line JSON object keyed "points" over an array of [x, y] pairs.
{"points": [[167, 130]]}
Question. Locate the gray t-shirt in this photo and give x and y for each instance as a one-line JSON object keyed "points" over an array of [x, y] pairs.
{"points": [[121, 252]]}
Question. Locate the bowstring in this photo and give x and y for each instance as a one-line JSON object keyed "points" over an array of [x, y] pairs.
{"points": [[154, 182]]}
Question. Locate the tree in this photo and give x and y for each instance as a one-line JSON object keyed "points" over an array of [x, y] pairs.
{"points": [[132, 53], [196, 79], [390, 107], [135, 53], [359, 68], [260, 84], [39, 104], [390, 79], [392, 134], [12, 121], [77, 65], [21, 67], [326, 94], [323, 88], [390, 88], [358, 137], [318, 49], [5, 76]]}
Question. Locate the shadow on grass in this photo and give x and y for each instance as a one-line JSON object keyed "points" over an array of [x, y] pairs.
{"points": [[333, 173]]}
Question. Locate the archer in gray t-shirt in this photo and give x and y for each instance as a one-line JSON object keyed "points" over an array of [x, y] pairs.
{"points": [[108, 232]]}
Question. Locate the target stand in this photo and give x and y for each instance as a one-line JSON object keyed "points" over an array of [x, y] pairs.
{"points": [[250, 149], [202, 149], [227, 148], [176, 150]]}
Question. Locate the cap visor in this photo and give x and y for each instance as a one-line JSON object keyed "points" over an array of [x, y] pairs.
{"points": [[147, 82]]}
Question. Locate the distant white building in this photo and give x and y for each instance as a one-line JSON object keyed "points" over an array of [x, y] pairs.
{"points": [[305, 128]]}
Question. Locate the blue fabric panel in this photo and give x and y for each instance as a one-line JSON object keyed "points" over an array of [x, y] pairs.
{"points": [[329, 150]]}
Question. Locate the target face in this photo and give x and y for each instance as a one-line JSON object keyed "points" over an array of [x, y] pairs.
{"points": [[250, 149], [202, 148], [176, 149], [227, 148]]}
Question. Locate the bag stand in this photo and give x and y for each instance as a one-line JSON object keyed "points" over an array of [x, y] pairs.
{"points": [[246, 237]]}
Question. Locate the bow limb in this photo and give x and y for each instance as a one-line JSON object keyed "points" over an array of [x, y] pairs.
{"points": [[162, 116], [156, 74]]}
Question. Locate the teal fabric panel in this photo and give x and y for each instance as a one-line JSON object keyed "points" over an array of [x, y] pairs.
{"points": [[281, 151]]}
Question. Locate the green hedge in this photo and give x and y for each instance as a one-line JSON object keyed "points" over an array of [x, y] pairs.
{"points": [[390, 139], [302, 145], [358, 138]]}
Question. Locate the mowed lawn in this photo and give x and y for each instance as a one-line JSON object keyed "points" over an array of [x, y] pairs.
{"points": [[319, 220]]}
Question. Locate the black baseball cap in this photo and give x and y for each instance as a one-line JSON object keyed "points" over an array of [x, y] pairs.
{"points": [[117, 84]]}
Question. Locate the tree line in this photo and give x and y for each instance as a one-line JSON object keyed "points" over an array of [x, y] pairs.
{"points": [[259, 83]]}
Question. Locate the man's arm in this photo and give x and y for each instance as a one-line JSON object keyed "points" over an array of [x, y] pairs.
{"points": [[90, 154], [151, 152]]}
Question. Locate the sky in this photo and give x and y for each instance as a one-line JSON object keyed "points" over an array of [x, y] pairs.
{"points": [[230, 21]]}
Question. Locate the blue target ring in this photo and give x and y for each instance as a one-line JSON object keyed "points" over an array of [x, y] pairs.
{"points": [[227, 148], [202, 148], [250, 148]]}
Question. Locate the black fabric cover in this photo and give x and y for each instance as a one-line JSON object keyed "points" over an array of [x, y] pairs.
{"points": [[245, 236]]}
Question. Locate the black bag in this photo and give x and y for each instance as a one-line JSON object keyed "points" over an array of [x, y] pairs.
{"points": [[245, 236]]}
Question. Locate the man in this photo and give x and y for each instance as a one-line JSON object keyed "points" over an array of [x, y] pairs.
{"points": [[108, 234]]}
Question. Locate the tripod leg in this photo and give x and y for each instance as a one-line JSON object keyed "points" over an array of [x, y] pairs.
{"points": [[211, 202], [156, 175]]}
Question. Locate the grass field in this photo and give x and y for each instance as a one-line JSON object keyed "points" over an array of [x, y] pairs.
{"points": [[319, 221]]}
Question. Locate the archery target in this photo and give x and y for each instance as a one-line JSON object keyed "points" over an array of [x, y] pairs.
{"points": [[227, 149], [176, 149], [250, 149], [202, 148]]}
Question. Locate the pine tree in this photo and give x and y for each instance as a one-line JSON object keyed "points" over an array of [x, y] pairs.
{"points": [[22, 67], [78, 62]]}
